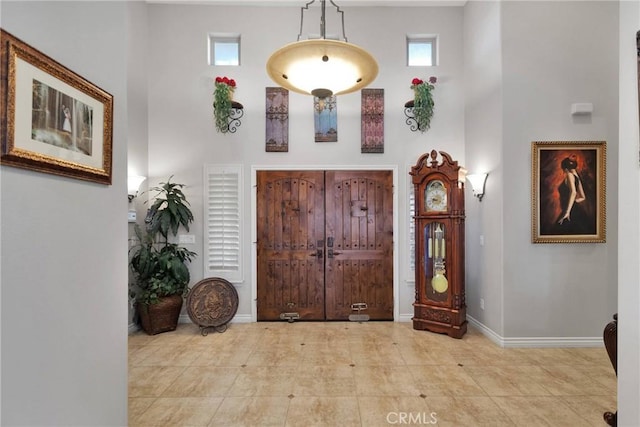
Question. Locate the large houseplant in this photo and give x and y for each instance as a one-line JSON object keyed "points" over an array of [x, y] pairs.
{"points": [[161, 275]]}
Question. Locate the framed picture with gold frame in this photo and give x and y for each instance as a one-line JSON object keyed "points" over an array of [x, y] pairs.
{"points": [[53, 120], [568, 192]]}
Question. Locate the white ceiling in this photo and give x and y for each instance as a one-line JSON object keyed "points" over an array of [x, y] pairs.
{"points": [[300, 3]]}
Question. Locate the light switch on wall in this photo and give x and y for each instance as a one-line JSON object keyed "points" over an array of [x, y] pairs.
{"points": [[187, 238]]}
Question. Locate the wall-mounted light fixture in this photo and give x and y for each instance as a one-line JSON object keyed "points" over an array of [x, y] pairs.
{"points": [[462, 176], [322, 67], [133, 184], [477, 181]]}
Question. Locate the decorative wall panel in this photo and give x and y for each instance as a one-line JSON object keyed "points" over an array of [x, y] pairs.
{"points": [[277, 123], [372, 117], [325, 119]]}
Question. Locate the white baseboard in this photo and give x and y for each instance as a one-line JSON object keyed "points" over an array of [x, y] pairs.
{"points": [[514, 342], [184, 318], [133, 328], [238, 318], [553, 342], [242, 318], [489, 333], [532, 342], [511, 342]]}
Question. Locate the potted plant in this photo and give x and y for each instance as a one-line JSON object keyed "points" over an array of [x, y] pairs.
{"points": [[222, 102], [160, 272], [423, 102]]}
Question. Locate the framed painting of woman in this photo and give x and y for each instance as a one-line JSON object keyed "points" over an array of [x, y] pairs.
{"points": [[568, 192]]}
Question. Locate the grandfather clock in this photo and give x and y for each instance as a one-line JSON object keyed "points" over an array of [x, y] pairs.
{"points": [[439, 220]]}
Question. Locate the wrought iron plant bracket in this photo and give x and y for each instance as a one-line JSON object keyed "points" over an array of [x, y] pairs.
{"points": [[411, 119], [236, 113]]}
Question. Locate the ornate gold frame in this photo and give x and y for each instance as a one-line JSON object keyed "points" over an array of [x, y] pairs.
{"points": [[587, 220], [19, 63]]}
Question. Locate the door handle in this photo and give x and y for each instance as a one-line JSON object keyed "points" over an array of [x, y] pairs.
{"points": [[317, 253], [331, 253]]}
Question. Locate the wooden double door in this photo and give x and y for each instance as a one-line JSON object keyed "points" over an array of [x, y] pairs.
{"points": [[324, 243]]}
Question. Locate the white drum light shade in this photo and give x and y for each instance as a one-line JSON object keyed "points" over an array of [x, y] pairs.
{"points": [[322, 67]]}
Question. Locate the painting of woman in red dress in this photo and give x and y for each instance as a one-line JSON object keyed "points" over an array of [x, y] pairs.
{"points": [[570, 191]]}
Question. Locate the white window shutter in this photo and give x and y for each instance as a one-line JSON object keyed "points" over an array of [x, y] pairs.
{"points": [[223, 222], [412, 233]]}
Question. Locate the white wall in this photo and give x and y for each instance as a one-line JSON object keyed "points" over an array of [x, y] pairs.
{"points": [[551, 60], [629, 242], [64, 271], [137, 138], [483, 151], [182, 136]]}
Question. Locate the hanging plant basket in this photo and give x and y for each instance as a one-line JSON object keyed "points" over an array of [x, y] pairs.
{"points": [[420, 109], [224, 108]]}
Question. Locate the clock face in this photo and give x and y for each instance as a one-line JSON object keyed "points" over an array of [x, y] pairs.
{"points": [[436, 196]]}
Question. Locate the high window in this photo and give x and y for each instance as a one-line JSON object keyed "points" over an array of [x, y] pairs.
{"points": [[224, 49], [422, 50]]}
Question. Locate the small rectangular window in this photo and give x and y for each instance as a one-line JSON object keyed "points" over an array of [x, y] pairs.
{"points": [[224, 49], [421, 51]]}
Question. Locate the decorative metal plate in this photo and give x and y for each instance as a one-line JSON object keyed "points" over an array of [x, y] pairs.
{"points": [[212, 302]]}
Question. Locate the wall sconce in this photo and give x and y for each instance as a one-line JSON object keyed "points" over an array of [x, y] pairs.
{"points": [[462, 176], [477, 181], [133, 183]]}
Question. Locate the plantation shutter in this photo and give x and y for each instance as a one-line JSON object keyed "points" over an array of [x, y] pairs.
{"points": [[412, 233], [223, 222]]}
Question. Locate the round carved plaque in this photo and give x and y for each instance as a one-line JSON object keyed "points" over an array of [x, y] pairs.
{"points": [[212, 302]]}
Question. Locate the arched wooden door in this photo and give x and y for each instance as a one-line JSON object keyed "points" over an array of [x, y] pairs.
{"points": [[325, 242]]}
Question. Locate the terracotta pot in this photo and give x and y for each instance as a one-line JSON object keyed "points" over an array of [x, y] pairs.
{"points": [[160, 317]]}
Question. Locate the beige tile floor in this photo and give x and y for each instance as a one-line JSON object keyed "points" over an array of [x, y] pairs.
{"points": [[359, 374]]}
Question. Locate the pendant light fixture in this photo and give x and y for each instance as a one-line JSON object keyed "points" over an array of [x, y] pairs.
{"points": [[322, 67]]}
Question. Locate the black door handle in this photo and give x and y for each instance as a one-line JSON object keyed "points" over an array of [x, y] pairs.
{"points": [[318, 253], [331, 253]]}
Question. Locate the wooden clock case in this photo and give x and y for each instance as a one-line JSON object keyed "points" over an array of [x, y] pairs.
{"points": [[437, 310]]}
